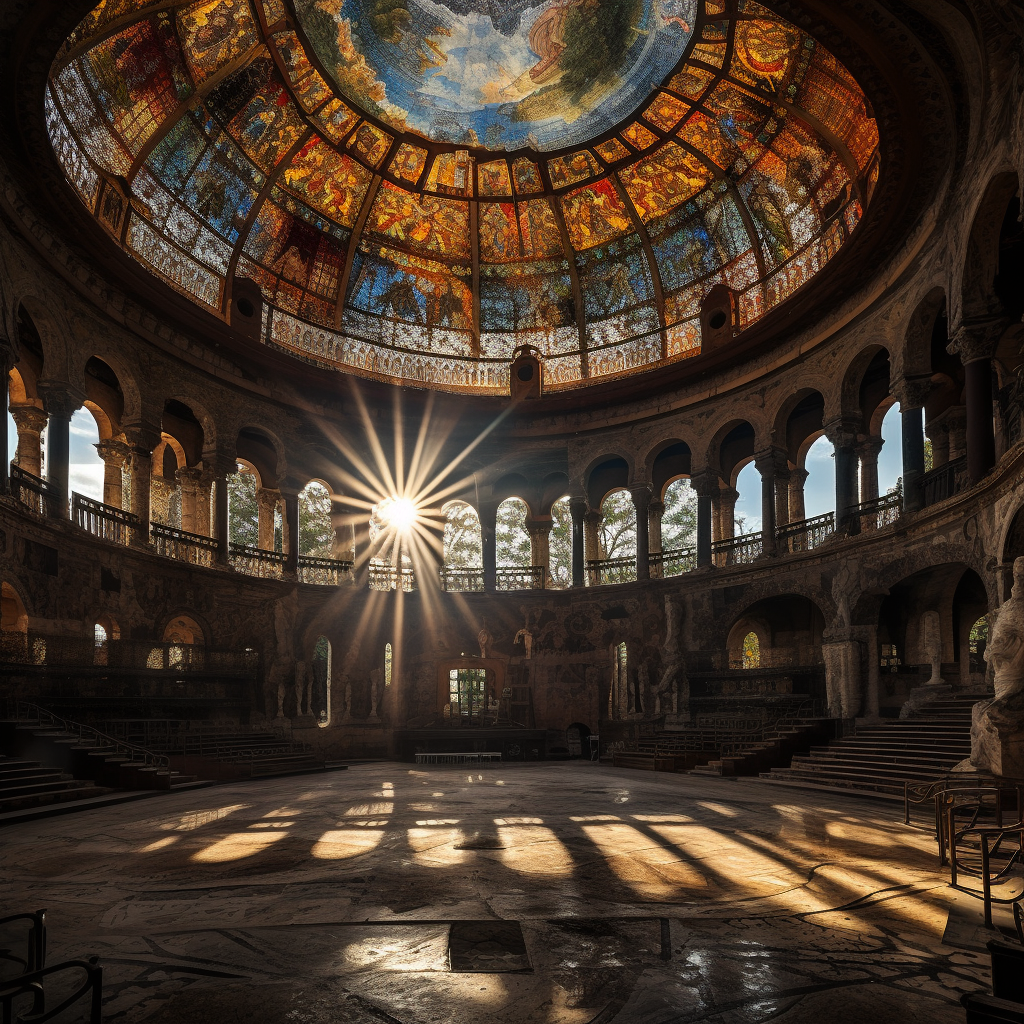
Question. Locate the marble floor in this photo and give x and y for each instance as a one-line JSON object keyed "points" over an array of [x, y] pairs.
{"points": [[571, 893]]}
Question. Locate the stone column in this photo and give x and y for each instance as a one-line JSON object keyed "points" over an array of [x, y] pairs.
{"points": [[655, 512], [30, 421], [937, 432], [727, 498], [190, 481], [976, 343], [842, 677], [592, 536], [489, 544], [204, 502], [141, 441], [578, 512], [539, 528], [767, 464], [291, 533], [61, 402], [642, 503], [704, 484], [843, 436], [6, 362], [267, 499], [343, 543], [224, 465], [115, 455], [872, 695], [797, 510], [911, 395], [868, 450]]}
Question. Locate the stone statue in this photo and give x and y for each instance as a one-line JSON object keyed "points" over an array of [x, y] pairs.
{"points": [[673, 683], [931, 645], [526, 637], [997, 726], [484, 639], [374, 692], [348, 700]]}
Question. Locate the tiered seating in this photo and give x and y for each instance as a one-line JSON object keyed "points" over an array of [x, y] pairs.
{"points": [[778, 747], [882, 758], [26, 783]]}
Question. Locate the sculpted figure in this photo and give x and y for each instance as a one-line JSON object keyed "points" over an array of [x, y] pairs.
{"points": [[997, 726], [526, 637], [673, 683], [374, 691], [483, 638]]}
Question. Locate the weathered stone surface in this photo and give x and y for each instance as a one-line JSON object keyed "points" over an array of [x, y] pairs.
{"points": [[997, 736]]}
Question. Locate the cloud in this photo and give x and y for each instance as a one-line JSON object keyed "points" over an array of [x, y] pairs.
{"points": [[87, 479]]}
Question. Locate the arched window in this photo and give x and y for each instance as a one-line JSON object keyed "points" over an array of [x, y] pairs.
{"points": [[320, 693], [820, 485], [511, 536], [243, 512], [85, 469], [315, 530], [463, 546], [100, 643], [751, 651], [748, 502], [977, 642], [618, 525], [679, 520], [560, 545], [388, 664], [890, 458]]}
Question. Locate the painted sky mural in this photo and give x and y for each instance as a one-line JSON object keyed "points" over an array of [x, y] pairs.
{"points": [[501, 75], [566, 200]]}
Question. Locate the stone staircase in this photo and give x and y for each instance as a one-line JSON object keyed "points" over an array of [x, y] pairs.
{"points": [[780, 745], [27, 783], [880, 758]]}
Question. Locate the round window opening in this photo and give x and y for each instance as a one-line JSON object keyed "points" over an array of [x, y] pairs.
{"points": [[525, 372], [245, 307], [717, 321]]}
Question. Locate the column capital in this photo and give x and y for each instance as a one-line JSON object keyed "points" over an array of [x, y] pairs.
{"points": [[658, 507], [578, 507], [61, 399], [842, 433], [268, 497], [113, 452], [977, 338], [222, 463], [642, 495], [28, 417], [799, 476], [728, 495], [539, 524], [705, 483], [141, 437], [772, 462], [911, 392], [594, 517], [870, 447], [189, 475]]}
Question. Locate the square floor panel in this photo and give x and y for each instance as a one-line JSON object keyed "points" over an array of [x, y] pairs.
{"points": [[489, 947]]}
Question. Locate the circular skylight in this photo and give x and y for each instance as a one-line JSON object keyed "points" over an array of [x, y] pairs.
{"points": [[418, 189]]}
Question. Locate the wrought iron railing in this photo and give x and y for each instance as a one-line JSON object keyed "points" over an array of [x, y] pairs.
{"points": [[529, 577], [945, 481], [456, 580], [104, 521], [736, 550], [878, 512], [806, 534], [390, 577], [182, 545], [267, 565], [31, 987], [602, 571], [673, 562], [34, 493], [324, 572]]}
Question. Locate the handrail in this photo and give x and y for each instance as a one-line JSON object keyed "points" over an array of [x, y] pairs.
{"points": [[101, 520], [672, 562], [990, 839], [603, 571], [529, 577], [193, 548], [257, 561], [86, 732], [389, 577], [32, 984], [737, 550], [32, 491], [456, 579], [324, 572], [945, 481], [35, 956], [886, 508], [807, 534]]}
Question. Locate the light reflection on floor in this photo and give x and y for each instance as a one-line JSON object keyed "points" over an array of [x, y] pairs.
{"points": [[643, 899]]}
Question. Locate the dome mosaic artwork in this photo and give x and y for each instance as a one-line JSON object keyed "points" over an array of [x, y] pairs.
{"points": [[420, 188]]}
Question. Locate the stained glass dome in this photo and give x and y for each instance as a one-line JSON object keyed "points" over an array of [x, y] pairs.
{"points": [[418, 189]]}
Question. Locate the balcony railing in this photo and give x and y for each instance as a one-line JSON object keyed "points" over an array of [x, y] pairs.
{"points": [[185, 547], [324, 572], [878, 512], [104, 521], [945, 482], [455, 580], [603, 571], [736, 550], [34, 493], [530, 577], [390, 577], [806, 534], [268, 565], [673, 562]]}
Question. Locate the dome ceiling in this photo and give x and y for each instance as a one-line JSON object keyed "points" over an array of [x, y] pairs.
{"points": [[419, 188]]}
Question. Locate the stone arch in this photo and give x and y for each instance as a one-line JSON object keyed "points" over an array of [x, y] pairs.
{"points": [[181, 625], [513, 485], [867, 387], [977, 278], [259, 448], [789, 626], [52, 331], [554, 487], [668, 460], [916, 358], [106, 377], [732, 447], [799, 422], [14, 614], [604, 476]]}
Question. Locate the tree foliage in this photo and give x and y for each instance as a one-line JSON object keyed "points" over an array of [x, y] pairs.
{"points": [[679, 521], [315, 530], [463, 548], [618, 525], [511, 536], [560, 544], [243, 513]]}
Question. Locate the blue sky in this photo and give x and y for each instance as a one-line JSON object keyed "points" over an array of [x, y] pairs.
{"points": [[86, 473]]}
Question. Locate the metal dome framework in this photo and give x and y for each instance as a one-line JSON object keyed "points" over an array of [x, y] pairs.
{"points": [[206, 140]]}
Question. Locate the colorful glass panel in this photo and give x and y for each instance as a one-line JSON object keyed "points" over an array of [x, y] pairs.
{"points": [[494, 179], [594, 214], [426, 223], [215, 34], [611, 151], [409, 162], [527, 176], [567, 170], [331, 183]]}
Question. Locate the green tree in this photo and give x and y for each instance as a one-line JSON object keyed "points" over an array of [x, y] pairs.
{"points": [[679, 521], [511, 536], [315, 530], [243, 513], [560, 544], [618, 525], [463, 548]]}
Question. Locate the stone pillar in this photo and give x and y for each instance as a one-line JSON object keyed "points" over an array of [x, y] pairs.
{"points": [[204, 496], [160, 492], [591, 535], [797, 509], [911, 395], [976, 343], [190, 481], [727, 498], [578, 512], [872, 694], [115, 455], [956, 421], [343, 543], [30, 421], [768, 464], [489, 544], [224, 465], [869, 450], [291, 533], [6, 362], [61, 402], [782, 509], [704, 484], [642, 503], [141, 441], [842, 677], [844, 439], [267, 499], [654, 513], [539, 528], [716, 515]]}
